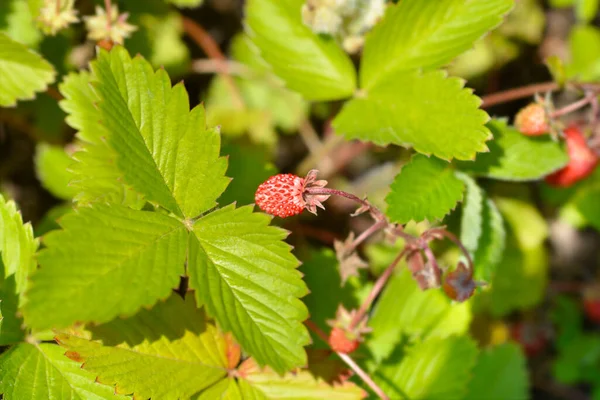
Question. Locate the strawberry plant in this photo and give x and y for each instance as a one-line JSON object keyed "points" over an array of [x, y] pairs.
{"points": [[158, 157]]}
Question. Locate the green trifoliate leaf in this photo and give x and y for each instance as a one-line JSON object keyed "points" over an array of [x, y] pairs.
{"points": [[168, 352], [23, 72], [135, 256], [310, 64], [417, 34], [423, 314], [436, 369], [165, 152], [297, 385], [482, 229], [96, 177], [500, 373], [52, 165], [425, 189], [516, 157], [246, 276], [42, 372], [227, 389], [17, 245], [428, 111], [584, 46]]}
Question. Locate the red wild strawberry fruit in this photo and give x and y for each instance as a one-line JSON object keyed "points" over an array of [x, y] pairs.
{"points": [[582, 160], [281, 195], [531, 120], [340, 341]]}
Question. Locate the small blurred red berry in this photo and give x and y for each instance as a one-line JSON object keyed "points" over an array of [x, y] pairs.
{"points": [[532, 121], [281, 195], [592, 309], [530, 337], [340, 342], [582, 160]]}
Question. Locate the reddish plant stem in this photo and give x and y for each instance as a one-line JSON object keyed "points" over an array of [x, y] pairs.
{"points": [[55, 94], [57, 6], [366, 234], [573, 106], [212, 50], [350, 362], [450, 236], [517, 93], [334, 192], [377, 288]]}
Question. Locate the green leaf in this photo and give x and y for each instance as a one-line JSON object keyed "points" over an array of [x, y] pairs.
{"points": [[299, 385], [436, 369], [186, 3], [586, 202], [521, 277], [310, 64], [42, 372], [482, 230], [135, 256], [500, 373], [16, 21], [267, 104], [516, 157], [52, 167], [23, 72], [159, 37], [586, 10], [428, 111], [584, 46], [226, 389], [249, 167], [96, 176], [169, 352], [425, 189], [17, 245], [417, 34], [322, 276], [164, 151], [406, 310], [246, 276]]}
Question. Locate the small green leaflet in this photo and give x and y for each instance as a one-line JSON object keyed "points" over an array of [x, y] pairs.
{"points": [[425, 34], [96, 178], [298, 385], [166, 152], [52, 165], [310, 64], [423, 314], [482, 230], [425, 189], [17, 22], [42, 372], [584, 46], [246, 276], [172, 338], [516, 157], [23, 72], [500, 374], [435, 369], [135, 256], [17, 245], [429, 111]]}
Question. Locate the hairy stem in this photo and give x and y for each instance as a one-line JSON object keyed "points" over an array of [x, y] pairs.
{"points": [[108, 8], [517, 93], [349, 362], [574, 106], [376, 227], [334, 192], [210, 47]]}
